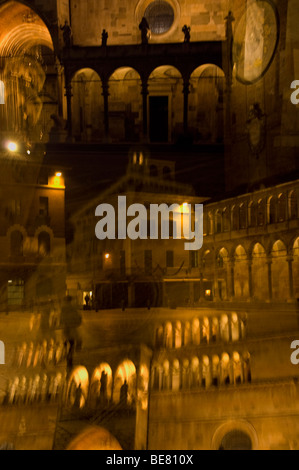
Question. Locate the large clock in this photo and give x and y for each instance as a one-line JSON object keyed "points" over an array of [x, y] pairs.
{"points": [[255, 41]]}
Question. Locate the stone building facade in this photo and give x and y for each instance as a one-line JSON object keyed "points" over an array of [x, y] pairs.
{"points": [[205, 364]]}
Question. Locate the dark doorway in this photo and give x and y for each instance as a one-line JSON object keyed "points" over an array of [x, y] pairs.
{"points": [[158, 109]]}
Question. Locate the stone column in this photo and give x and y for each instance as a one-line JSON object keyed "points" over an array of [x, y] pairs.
{"points": [[145, 94], [290, 260], [270, 292], [186, 92], [232, 279], [249, 260], [105, 94]]}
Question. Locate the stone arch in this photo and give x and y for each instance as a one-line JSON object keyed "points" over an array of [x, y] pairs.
{"points": [[241, 274], [94, 438], [272, 210], [226, 373], [280, 276], [17, 238], [195, 331], [259, 272], [78, 387], [101, 386], [242, 426], [205, 371], [223, 272], [125, 104], [282, 207], [206, 118], [87, 105], [252, 214], [165, 99], [125, 375], [195, 372], [293, 204], [168, 335], [176, 375], [178, 335]]}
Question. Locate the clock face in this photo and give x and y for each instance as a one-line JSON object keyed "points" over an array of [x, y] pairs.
{"points": [[255, 41]]}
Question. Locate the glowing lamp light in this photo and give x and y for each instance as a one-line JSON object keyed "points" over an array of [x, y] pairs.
{"points": [[107, 256], [58, 174], [12, 146]]}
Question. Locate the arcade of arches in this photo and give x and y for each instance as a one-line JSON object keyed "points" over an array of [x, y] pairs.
{"points": [[120, 107], [126, 107]]}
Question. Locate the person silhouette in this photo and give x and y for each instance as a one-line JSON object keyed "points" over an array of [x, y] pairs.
{"points": [[124, 394]]}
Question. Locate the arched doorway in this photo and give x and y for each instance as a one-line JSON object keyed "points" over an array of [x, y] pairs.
{"points": [[241, 274], [125, 105], [280, 275], [29, 71], [259, 273], [236, 440], [206, 113], [165, 106], [88, 106], [125, 386], [94, 438], [101, 386]]}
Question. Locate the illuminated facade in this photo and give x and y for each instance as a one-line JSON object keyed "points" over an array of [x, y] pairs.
{"points": [[180, 350]]}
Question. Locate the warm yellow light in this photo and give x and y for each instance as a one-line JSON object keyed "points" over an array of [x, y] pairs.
{"points": [[58, 174], [12, 146], [208, 292], [107, 256]]}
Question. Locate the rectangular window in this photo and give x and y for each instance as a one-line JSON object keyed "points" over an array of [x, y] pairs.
{"points": [[169, 259], [15, 293]]}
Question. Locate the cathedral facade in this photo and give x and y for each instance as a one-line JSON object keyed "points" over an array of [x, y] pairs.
{"points": [[163, 101]]}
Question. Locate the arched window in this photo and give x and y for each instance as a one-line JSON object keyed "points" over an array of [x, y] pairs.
{"points": [[293, 205], [252, 214], [282, 207], [178, 335], [124, 391], [218, 222], [166, 378], [225, 217], [271, 210], [176, 376], [242, 216], [44, 244], [261, 212], [16, 244], [235, 218], [196, 331], [225, 369]]}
